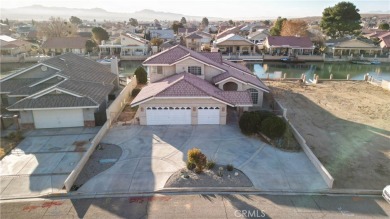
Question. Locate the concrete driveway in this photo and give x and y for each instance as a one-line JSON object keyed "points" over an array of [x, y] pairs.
{"points": [[152, 153], [40, 164]]}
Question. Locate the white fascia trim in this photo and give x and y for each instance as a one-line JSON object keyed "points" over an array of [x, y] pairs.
{"points": [[192, 97], [59, 108], [56, 89], [18, 95], [240, 105], [46, 79], [190, 57], [233, 78], [156, 65], [25, 70]]}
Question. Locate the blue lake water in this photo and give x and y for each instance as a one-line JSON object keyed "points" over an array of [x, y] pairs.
{"points": [[339, 70]]}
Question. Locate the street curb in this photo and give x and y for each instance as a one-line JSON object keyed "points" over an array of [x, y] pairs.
{"points": [[198, 191]]}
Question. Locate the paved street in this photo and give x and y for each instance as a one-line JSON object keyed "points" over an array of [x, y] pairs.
{"points": [[202, 206], [152, 153], [40, 164]]}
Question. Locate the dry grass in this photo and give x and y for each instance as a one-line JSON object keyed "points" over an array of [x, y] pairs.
{"points": [[6, 145]]}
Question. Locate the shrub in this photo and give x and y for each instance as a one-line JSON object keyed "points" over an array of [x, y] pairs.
{"points": [[249, 122], [273, 127], [190, 166], [197, 157], [210, 164], [198, 170], [142, 76], [229, 167], [15, 136], [135, 92], [263, 114]]}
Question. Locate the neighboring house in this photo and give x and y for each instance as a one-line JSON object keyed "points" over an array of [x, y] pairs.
{"points": [[127, 46], [181, 31], [24, 30], [11, 47], [63, 91], [198, 40], [353, 47], [4, 29], [385, 42], [233, 30], [187, 87], [288, 45], [167, 45], [162, 34], [258, 36], [61, 45], [235, 44]]}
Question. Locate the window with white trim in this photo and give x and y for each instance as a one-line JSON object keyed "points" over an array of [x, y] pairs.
{"points": [[156, 69], [254, 95], [195, 70]]}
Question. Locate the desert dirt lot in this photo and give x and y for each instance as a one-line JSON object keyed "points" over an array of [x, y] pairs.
{"points": [[347, 125]]}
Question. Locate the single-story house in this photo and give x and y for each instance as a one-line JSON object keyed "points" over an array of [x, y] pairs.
{"points": [[235, 44], [288, 45], [258, 36], [162, 34], [63, 91], [12, 47], [61, 45], [127, 45], [354, 47], [187, 87]]}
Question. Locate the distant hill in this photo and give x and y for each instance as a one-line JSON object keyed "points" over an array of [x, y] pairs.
{"points": [[38, 12]]}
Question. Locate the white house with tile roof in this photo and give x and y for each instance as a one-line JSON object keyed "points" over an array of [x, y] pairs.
{"points": [[63, 91], [187, 87]]}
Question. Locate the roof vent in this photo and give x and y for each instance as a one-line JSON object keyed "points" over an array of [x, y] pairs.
{"points": [[62, 59]]}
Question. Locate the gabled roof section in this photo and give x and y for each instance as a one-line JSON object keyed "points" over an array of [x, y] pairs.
{"points": [[79, 68], [291, 41], [232, 37], [136, 38], [65, 42], [193, 36], [237, 66], [242, 77], [186, 85]]}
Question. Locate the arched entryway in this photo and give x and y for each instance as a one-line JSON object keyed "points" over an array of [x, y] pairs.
{"points": [[230, 86]]}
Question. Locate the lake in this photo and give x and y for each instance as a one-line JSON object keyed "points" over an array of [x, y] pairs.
{"points": [[339, 70]]}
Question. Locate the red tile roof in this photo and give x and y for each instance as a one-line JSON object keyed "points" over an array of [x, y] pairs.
{"points": [[291, 41], [188, 85], [178, 52]]}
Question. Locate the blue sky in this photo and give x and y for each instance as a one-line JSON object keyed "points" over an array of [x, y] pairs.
{"points": [[215, 8]]}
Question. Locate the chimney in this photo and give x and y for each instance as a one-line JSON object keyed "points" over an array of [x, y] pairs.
{"points": [[115, 69]]}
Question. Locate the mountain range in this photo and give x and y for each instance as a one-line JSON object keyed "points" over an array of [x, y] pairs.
{"points": [[39, 12]]}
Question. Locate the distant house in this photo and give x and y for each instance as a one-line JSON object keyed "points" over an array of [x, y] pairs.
{"points": [[191, 88], [10, 46], [181, 31], [4, 29], [162, 34], [126, 46], [258, 36], [198, 40], [232, 30], [235, 44], [288, 45], [61, 45], [354, 47], [63, 91]]}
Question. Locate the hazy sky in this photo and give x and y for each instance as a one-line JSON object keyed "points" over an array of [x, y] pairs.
{"points": [[215, 8]]}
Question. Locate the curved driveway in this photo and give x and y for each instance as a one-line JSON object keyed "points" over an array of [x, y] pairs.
{"points": [[152, 153]]}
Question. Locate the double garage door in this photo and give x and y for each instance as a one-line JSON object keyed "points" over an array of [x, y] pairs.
{"points": [[58, 118], [180, 115]]}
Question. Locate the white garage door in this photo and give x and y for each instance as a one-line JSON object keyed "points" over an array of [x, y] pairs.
{"points": [[58, 118], [208, 115], [168, 116]]}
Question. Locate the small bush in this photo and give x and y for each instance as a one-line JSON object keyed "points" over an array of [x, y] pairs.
{"points": [[273, 127], [135, 92], [141, 74], [197, 157], [229, 167], [190, 166], [249, 122], [263, 114], [210, 164], [198, 170]]}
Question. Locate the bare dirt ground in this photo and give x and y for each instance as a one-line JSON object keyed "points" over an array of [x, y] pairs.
{"points": [[347, 125]]}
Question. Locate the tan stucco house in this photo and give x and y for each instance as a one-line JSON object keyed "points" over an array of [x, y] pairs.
{"points": [[187, 87]]}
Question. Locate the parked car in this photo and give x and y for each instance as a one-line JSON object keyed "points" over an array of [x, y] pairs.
{"points": [[386, 193]]}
